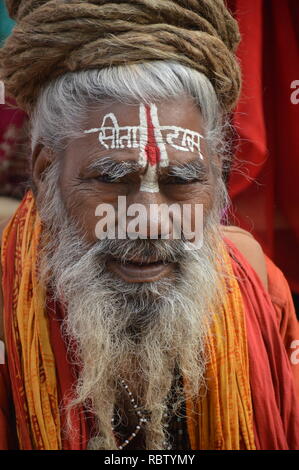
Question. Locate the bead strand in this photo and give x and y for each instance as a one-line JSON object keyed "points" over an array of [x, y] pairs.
{"points": [[142, 419], [166, 425]]}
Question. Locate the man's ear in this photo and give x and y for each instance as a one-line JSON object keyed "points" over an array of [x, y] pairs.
{"points": [[42, 158]]}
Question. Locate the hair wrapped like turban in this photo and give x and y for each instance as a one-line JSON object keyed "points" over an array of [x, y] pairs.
{"points": [[59, 36]]}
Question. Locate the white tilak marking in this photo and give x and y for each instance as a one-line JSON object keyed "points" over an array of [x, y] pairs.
{"points": [[179, 138], [190, 140], [119, 137], [142, 135], [159, 137], [149, 181]]}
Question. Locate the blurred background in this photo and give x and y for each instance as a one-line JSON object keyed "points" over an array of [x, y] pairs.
{"points": [[264, 178]]}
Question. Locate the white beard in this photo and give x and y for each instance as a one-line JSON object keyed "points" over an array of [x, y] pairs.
{"points": [[135, 332]]}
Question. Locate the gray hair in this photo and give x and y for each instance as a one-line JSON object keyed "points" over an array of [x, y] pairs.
{"points": [[64, 103]]}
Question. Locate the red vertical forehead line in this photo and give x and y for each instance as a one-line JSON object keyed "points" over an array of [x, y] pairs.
{"points": [[151, 149]]}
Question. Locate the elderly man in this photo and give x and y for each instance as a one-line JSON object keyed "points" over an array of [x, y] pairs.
{"points": [[148, 340]]}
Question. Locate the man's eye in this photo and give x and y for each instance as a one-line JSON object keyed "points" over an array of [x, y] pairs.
{"points": [[105, 178], [178, 180]]}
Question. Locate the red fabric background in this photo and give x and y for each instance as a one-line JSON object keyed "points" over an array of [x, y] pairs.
{"points": [[14, 151], [267, 122]]}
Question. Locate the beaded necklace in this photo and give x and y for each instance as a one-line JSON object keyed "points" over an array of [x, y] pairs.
{"points": [[142, 419], [177, 426]]}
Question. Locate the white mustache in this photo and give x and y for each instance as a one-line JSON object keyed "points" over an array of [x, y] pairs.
{"points": [[126, 250]]}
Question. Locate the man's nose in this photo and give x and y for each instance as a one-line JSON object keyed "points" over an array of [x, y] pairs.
{"points": [[153, 215]]}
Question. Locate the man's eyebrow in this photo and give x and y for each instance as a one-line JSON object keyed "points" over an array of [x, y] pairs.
{"points": [[187, 171], [118, 169], [114, 168]]}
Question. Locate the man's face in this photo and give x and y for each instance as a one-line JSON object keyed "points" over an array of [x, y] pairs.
{"points": [[151, 170]]}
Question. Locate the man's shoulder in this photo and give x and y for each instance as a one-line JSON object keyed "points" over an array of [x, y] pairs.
{"points": [[250, 249], [3, 224]]}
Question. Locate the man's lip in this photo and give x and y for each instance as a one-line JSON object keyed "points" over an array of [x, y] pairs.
{"points": [[139, 271], [144, 261]]}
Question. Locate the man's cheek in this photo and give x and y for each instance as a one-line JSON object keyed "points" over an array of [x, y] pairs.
{"points": [[203, 195], [81, 208]]}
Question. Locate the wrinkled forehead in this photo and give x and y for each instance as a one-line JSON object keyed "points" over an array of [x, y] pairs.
{"points": [[173, 127]]}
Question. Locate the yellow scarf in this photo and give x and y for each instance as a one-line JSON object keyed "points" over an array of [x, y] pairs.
{"points": [[221, 417]]}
